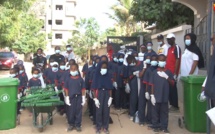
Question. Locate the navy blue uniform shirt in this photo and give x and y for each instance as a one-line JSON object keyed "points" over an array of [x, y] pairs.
{"points": [[161, 86], [34, 83], [74, 85]]}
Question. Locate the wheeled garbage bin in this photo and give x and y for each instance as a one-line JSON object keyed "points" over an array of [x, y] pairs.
{"points": [[194, 109], [8, 102]]}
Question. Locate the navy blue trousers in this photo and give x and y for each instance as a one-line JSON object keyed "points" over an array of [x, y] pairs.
{"points": [[74, 112], [173, 95], [120, 98], [133, 106], [103, 112], [160, 115], [142, 106]]}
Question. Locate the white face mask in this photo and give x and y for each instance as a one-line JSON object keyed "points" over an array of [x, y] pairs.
{"points": [[161, 63], [103, 71], [149, 47], [57, 51], [68, 48], [21, 71], [62, 67], [90, 66], [160, 43], [35, 75], [74, 73]]}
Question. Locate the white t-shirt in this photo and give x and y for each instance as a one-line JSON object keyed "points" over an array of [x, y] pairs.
{"points": [[163, 49], [69, 56], [187, 60]]}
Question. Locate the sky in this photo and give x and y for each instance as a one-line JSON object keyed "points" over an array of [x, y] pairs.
{"points": [[96, 9]]}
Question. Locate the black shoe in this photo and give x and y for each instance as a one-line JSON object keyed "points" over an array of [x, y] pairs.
{"points": [[78, 129], [70, 128], [156, 130]]}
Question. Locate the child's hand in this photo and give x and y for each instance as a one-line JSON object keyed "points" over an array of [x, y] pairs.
{"points": [[96, 102], [67, 101], [127, 88], [163, 74], [115, 85], [110, 101], [202, 96], [147, 95], [83, 100], [153, 100]]}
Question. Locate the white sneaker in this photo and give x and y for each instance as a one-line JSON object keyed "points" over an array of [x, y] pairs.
{"points": [[131, 118]]}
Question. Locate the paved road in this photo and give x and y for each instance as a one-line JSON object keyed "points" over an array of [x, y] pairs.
{"points": [[121, 125]]}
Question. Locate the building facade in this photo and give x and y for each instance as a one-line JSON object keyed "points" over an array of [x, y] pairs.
{"points": [[59, 19]]}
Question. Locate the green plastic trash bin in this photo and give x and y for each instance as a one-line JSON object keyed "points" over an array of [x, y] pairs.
{"points": [[194, 109], [8, 102]]}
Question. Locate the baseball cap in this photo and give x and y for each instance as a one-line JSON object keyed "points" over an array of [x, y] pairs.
{"points": [[171, 35], [160, 36]]}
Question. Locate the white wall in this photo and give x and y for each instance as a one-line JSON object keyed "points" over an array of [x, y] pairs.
{"points": [[179, 32]]}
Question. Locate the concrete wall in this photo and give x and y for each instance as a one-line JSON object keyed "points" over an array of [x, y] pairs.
{"points": [[199, 8], [99, 51]]}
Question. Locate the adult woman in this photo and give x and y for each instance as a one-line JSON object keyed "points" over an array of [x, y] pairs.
{"points": [[39, 61], [192, 58]]}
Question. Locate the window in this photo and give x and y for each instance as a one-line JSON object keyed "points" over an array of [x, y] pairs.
{"points": [[58, 22], [58, 36], [50, 22], [59, 7]]}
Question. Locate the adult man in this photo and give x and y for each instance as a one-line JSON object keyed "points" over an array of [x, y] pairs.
{"points": [[69, 54], [40, 61], [173, 64], [57, 56], [162, 47], [142, 52]]}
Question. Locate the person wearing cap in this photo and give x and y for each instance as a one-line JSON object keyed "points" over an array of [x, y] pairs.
{"points": [[69, 54], [173, 61], [51, 74], [57, 56], [162, 47]]}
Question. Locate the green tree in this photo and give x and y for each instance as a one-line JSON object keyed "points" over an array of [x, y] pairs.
{"points": [[165, 13], [125, 22], [86, 36], [29, 38], [19, 28]]}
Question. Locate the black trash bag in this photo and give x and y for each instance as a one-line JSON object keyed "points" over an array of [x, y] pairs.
{"points": [[210, 84]]}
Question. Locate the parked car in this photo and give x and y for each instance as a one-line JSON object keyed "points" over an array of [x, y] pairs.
{"points": [[7, 60]]}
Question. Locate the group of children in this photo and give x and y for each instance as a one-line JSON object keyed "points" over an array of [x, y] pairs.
{"points": [[142, 85]]}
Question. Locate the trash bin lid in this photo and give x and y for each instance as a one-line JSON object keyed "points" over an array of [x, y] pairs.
{"points": [[198, 79], [9, 81]]}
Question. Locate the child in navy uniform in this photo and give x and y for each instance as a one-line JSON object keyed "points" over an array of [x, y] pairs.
{"points": [[34, 81], [51, 74], [134, 82], [23, 78], [160, 82], [59, 86], [120, 95], [103, 90], [75, 98], [14, 72], [92, 75], [151, 65]]}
